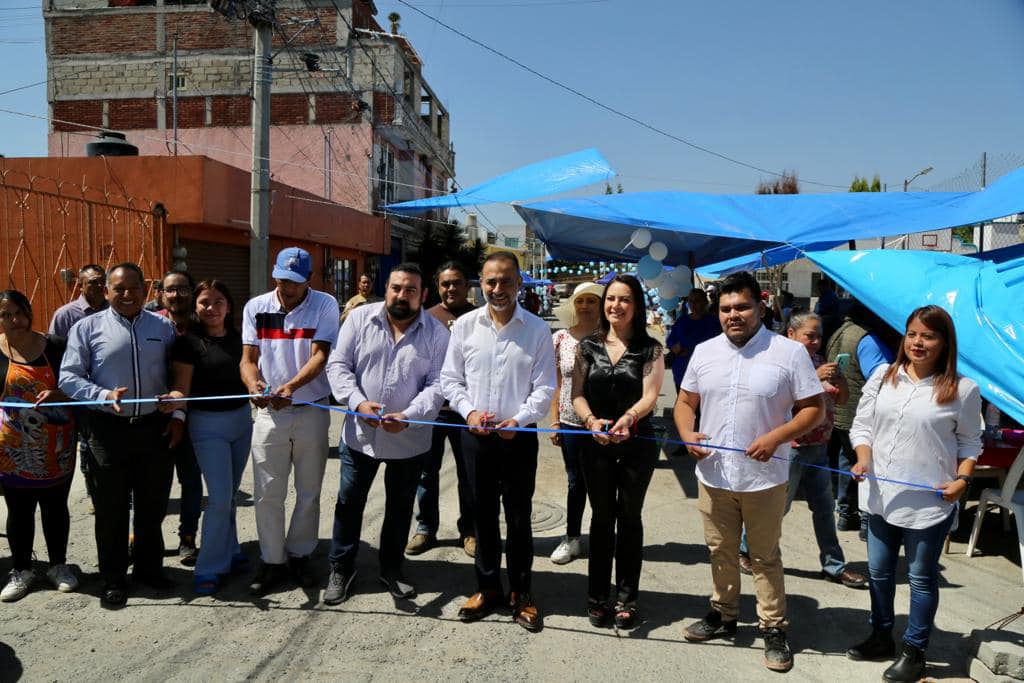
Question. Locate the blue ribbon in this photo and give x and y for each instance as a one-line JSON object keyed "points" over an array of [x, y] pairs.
{"points": [[431, 423]]}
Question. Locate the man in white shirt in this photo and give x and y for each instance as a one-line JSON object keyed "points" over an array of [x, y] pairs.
{"points": [[757, 391], [499, 374], [287, 334]]}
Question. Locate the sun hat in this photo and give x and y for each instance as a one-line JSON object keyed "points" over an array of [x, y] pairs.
{"points": [[566, 311]]}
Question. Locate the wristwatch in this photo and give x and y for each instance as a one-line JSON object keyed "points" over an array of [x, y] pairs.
{"points": [[965, 477]]}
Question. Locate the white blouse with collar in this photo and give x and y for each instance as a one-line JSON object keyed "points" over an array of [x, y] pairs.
{"points": [[914, 439]]}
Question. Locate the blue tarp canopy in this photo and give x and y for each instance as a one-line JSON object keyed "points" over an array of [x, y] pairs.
{"points": [[983, 298], [763, 259], [710, 228], [541, 179], [534, 282]]}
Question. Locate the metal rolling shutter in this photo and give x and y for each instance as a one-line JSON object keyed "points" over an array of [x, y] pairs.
{"points": [[225, 262]]}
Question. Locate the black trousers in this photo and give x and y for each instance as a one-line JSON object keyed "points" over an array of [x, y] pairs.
{"points": [[21, 522], [503, 472], [129, 466], [617, 479]]}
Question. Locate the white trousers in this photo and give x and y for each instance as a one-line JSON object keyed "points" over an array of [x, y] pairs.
{"points": [[282, 439]]}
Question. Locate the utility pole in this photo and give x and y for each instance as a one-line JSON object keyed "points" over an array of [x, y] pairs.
{"points": [[984, 183], [174, 94], [259, 205], [260, 14]]}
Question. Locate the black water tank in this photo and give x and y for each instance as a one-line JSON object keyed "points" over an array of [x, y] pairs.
{"points": [[111, 144]]}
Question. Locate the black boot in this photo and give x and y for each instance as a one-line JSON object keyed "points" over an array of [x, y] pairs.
{"points": [[879, 645], [909, 666]]}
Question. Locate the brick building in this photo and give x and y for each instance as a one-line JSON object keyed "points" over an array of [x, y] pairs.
{"points": [[363, 130]]}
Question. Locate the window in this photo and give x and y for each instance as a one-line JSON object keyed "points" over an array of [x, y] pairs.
{"points": [[171, 83], [386, 175], [512, 242]]}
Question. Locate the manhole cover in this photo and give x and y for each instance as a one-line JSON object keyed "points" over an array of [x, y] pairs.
{"points": [[546, 516]]}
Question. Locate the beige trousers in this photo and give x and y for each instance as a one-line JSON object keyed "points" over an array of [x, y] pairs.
{"points": [[725, 513]]}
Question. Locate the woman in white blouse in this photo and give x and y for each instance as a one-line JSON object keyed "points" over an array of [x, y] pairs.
{"points": [[917, 421]]}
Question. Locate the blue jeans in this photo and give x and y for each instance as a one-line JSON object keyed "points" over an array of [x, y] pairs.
{"points": [[429, 518], [221, 442], [923, 547], [817, 487], [847, 507], [358, 471], [576, 498]]}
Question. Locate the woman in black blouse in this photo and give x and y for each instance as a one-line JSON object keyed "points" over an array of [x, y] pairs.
{"points": [[616, 381], [207, 360]]}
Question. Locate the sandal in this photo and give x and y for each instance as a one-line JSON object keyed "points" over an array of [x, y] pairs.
{"points": [[207, 584], [597, 612], [625, 615]]}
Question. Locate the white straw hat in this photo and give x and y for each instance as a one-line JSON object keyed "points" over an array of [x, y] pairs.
{"points": [[566, 311]]}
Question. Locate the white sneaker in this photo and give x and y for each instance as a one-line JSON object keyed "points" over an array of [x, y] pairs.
{"points": [[62, 578], [568, 549], [17, 585]]}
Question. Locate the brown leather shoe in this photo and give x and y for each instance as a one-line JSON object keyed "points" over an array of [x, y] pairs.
{"points": [[469, 545], [420, 543], [848, 578], [745, 566], [479, 606], [524, 611]]}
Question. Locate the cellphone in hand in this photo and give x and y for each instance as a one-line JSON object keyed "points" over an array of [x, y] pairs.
{"points": [[843, 361]]}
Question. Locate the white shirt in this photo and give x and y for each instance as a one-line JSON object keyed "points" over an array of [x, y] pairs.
{"points": [[404, 377], [745, 392], [285, 338], [914, 439], [509, 372]]}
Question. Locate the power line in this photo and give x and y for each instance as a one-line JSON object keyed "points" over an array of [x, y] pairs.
{"points": [[607, 107], [25, 87]]}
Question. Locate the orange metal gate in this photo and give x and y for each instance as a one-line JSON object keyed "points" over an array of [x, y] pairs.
{"points": [[50, 229]]}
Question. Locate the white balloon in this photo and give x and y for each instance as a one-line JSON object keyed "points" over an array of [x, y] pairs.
{"points": [[668, 288], [682, 274], [658, 251], [641, 238]]}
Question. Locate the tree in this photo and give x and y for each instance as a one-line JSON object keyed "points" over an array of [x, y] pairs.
{"points": [[861, 184], [786, 183], [438, 244]]}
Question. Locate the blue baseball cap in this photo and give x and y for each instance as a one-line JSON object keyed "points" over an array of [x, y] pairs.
{"points": [[293, 264]]}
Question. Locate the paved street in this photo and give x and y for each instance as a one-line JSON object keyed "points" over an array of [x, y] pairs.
{"points": [[291, 636]]}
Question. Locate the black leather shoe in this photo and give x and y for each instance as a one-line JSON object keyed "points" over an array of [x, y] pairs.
{"points": [[851, 523], [879, 645], [298, 567], [908, 667], [155, 580], [266, 577], [398, 587], [114, 596], [711, 626]]}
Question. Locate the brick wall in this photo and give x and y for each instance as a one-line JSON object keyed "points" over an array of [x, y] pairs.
{"points": [[232, 111], [207, 31], [88, 112], [191, 112], [288, 110], [132, 113], [337, 108], [326, 31], [104, 33], [383, 108]]}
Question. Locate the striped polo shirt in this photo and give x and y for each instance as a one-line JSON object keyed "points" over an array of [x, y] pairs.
{"points": [[285, 338]]}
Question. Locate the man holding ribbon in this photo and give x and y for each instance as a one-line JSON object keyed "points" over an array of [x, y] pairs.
{"points": [[120, 353], [386, 368], [287, 335], [757, 391], [499, 374]]}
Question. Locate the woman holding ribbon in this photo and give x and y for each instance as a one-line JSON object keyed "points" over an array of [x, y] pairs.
{"points": [[207, 361], [616, 379], [37, 447], [917, 421], [580, 314]]}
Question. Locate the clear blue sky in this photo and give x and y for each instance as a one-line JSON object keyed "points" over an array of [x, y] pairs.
{"points": [[827, 89]]}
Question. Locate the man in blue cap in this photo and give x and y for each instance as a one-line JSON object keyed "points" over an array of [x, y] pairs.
{"points": [[287, 335]]}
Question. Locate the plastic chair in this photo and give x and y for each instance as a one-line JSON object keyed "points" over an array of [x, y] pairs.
{"points": [[1007, 497]]}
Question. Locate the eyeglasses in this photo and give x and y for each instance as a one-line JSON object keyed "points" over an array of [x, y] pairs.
{"points": [[177, 290]]}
